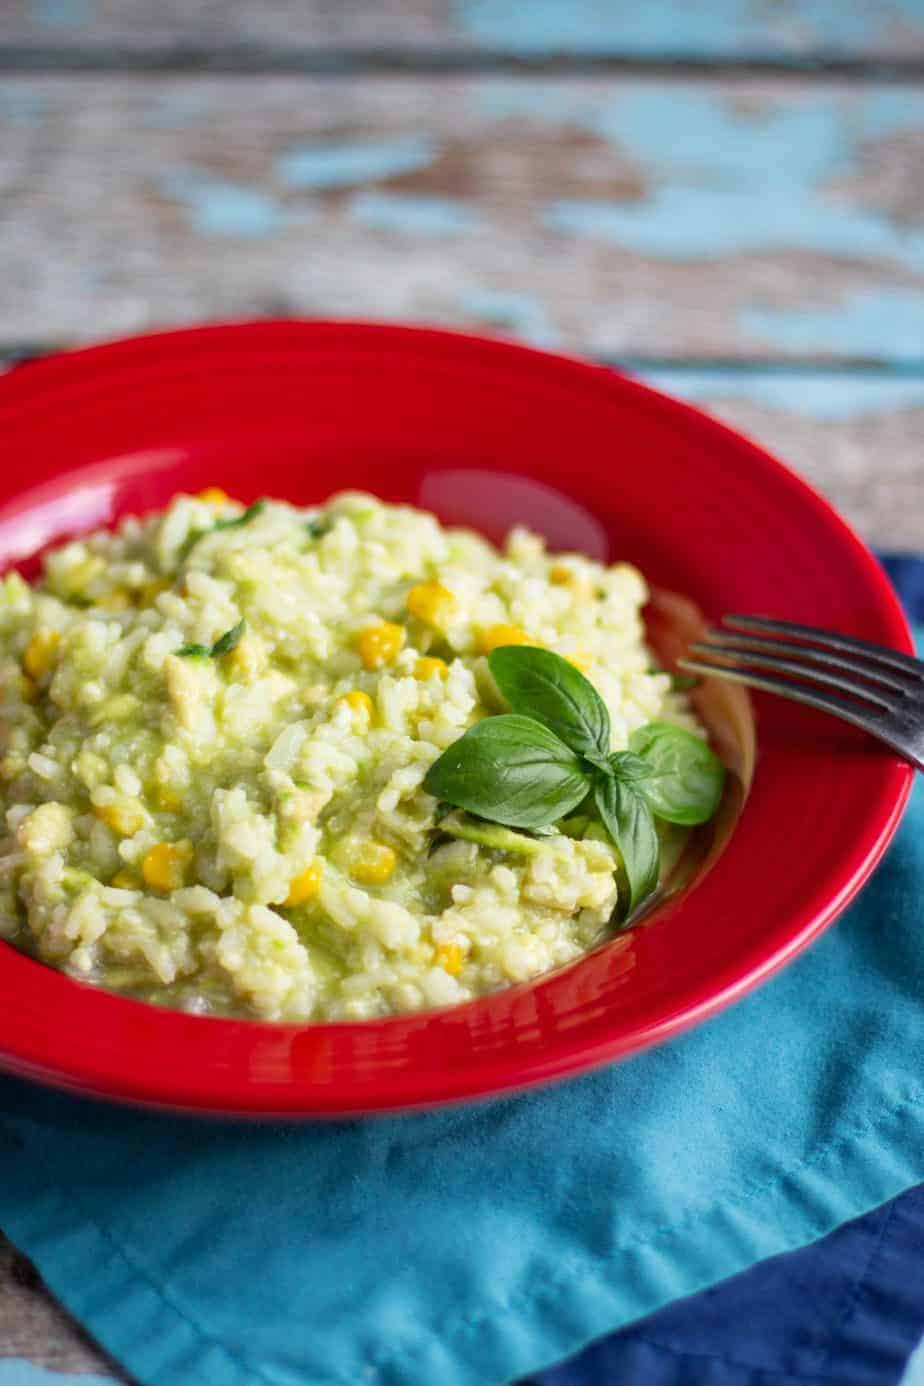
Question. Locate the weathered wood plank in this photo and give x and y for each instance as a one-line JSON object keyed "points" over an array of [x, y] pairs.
{"points": [[712, 218], [659, 29]]}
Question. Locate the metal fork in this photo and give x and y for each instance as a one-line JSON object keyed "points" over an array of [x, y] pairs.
{"points": [[871, 686]]}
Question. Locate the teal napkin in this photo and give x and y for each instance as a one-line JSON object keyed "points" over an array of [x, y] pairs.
{"points": [[472, 1246]]}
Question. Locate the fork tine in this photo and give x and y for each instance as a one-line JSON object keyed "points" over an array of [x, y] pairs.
{"points": [[865, 717], [810, 658], [774, 665], [827, 640]]}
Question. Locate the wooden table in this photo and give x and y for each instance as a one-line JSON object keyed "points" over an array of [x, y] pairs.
{"points": [[725, 198]]}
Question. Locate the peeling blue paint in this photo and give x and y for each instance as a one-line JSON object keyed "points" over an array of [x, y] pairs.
{"points": [[520, 314], [675, 226], [683, 126], [726, 181], [888, 111], [676, 27], [61, 14], [217, 208], [825, 395], [888, 323], [412, 215], [21, 105], [340, 164], [16, 1371]]}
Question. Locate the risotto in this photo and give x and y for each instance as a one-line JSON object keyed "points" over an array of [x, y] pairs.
{"points": [[216, 724]]}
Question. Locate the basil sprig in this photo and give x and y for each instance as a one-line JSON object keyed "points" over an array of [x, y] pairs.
{"points": [[533, 766]]}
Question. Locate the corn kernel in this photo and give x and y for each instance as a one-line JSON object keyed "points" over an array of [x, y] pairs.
{"points": [[362, 708], [168, 799], [115, 601], [581, 585], [431, 602], [380, 644], [164, 866], [214, 495], [125, 880], [428, 665], [375, 865], [493, 637], [40, 653], [305, 885], [27, 690], [448, 956], [124, 818], [152, 590]]}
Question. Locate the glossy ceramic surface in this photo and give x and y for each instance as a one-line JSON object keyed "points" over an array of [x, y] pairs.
{"points": [[485, 434]]}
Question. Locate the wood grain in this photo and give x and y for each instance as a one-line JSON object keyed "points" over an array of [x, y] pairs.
{"points": [[734, 29], [701, 219]]}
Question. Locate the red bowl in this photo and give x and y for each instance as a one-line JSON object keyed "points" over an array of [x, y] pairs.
{"points": [[483, 433]]}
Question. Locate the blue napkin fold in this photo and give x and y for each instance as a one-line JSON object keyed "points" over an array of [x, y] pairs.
{"points": [[476, 1245]]}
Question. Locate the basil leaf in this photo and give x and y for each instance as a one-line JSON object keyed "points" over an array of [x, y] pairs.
{"points": [[541, 684], [628, 821], [686, 779], [627, 766], [229, 641], [511, 770], [193, 652]]}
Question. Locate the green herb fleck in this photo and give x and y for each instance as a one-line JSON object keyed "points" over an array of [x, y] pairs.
{"points": [[223, 645], [244, 518], [196, 534], [230, 640], [317, 528]]}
